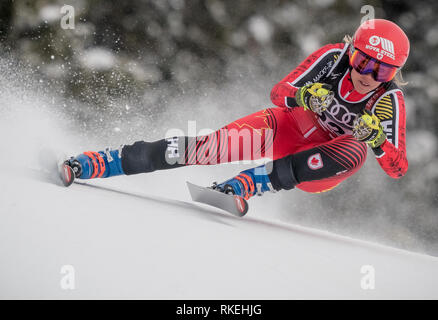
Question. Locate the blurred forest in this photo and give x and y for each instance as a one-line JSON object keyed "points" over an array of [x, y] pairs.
{"points": [[130, 69]]}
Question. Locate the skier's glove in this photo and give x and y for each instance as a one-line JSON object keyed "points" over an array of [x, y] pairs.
{"points": [[367, 128], [315, 96]]}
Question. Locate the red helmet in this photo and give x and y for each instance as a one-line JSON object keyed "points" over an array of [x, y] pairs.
{"points": [[382, 40]]}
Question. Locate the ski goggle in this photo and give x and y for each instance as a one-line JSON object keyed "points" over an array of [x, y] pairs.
{"points": [[365, 64]]}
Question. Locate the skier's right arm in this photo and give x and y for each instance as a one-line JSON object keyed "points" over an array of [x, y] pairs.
{"points": [[311, 70]]}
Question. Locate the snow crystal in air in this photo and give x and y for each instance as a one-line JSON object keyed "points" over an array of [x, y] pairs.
{"points": [[309, 43], [98, 59], [260, 29], [324, 3], [422, 146], [50, 13], [432, 36]]}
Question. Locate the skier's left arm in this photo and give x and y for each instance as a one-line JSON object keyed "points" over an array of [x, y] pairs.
{"points": [[388, 140], [391, 155]]}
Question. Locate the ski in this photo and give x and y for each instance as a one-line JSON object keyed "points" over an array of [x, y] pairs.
{"points": [[66, 174], [233, 204]]}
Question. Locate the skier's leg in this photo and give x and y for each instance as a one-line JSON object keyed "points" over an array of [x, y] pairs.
{"points": [[316, 169], [267, 133], [128, 159], [320, 168], [100, 164]]}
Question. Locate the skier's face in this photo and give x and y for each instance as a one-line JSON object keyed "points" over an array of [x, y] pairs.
{"points": [[363, 83]]}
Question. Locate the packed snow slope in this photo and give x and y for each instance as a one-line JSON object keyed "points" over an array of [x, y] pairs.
{"points": [[141, 237], [125, 240]]}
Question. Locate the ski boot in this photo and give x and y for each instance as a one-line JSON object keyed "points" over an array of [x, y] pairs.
{"points": [[247, 183], [90, 164]]}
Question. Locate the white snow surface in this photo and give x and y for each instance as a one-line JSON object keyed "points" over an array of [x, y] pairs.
{"points": [[126, 238]]}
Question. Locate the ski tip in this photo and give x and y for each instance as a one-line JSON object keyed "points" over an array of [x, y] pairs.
{"points": [[66, 174], [241, 205]]}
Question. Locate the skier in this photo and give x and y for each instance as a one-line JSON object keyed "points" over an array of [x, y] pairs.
{"points": [[340, 99]]}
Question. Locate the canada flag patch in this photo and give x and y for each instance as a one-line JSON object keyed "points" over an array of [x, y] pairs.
{"points": [[315, 162]]}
